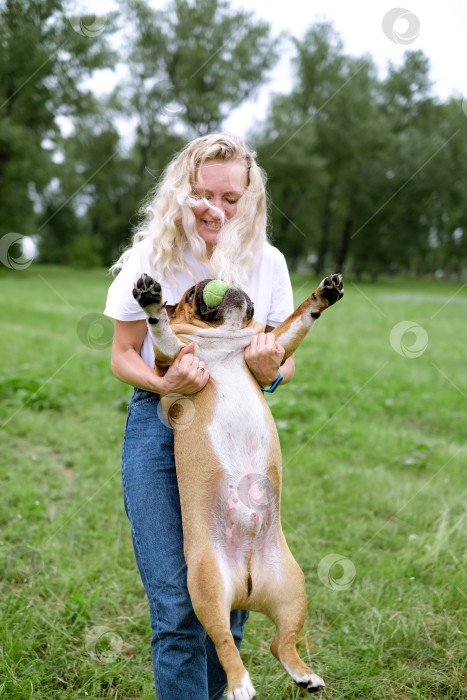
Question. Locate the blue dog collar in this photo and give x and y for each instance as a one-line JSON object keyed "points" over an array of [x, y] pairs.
{"points": [[273, 386]]}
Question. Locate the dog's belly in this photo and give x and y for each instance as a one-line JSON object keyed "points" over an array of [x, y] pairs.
{"points": [[244, 520], [244, 535]]}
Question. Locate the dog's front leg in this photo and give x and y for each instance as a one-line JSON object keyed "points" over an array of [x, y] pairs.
{"points": [[291, 332], [147, 293]]}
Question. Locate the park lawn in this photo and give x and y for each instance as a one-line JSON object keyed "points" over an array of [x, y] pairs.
{"points": [[374, 453]]}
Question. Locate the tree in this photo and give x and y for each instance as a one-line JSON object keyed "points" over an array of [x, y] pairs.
{"points": [[43, 60], [190, 65], [88, 204], [329, 125], [296, 176], [361, 170], [396, 230]]}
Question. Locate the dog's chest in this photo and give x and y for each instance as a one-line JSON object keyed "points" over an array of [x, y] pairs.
{"points": [[239, 430], [240, 427]]}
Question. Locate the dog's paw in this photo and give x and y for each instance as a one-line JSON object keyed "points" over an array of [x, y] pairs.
{"points": [[243, 691], [147, 293], [310, 682], [332, 288]]}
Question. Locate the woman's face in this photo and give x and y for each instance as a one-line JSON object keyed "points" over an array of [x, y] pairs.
{"points": [[221, 183]]}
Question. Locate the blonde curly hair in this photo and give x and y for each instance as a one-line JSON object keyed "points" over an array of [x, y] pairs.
{"points": [[168, 219]]}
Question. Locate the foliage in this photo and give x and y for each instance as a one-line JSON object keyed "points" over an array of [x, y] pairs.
{"points": [[195, 61], [365, 173], [359, 165], [189, 65], [42, 64]]}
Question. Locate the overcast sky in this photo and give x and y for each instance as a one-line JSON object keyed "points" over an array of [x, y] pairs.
{"points": [[438, 29]]}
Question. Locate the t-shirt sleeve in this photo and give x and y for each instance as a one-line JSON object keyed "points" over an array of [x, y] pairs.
{"points": [[281, 294], [121, 304]]}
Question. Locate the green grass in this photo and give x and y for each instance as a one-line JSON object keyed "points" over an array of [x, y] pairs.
{"points": [[374, 455]]}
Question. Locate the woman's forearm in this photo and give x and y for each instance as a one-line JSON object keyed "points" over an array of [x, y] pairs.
{"points": [[129, 367], [287, 370], [182, 377]]}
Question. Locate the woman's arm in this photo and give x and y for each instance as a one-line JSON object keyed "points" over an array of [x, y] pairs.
{"points": [[182, 377]]}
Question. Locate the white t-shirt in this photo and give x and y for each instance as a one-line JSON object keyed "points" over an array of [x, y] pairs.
{"points": [[269, 288]]}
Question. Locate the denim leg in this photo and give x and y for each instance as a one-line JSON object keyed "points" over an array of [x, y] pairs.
{"points": [[153, 507], [183, 656]]}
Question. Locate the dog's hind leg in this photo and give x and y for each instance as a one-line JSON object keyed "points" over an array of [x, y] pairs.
{"points": [[208, 596], [284, 649], [288, 613]]}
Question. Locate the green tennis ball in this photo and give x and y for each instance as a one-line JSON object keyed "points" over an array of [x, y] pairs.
{"points": [[214, 292]]}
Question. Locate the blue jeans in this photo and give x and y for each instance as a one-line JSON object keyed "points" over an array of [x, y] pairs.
{"points": [[184, 658]]}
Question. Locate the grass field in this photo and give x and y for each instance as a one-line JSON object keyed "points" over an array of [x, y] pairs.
{"points": [[374, 459]]}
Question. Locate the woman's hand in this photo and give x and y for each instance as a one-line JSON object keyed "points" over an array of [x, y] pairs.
{"points": [[186, 375], [264, 356]]}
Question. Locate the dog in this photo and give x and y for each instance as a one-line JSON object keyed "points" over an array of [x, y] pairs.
{"points": [[228, 464]]}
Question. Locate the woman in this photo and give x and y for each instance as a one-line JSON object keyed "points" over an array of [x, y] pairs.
{"points": [[206, 218]]}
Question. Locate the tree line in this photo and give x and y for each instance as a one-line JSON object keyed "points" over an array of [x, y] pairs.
{"points": [[364, 173]]}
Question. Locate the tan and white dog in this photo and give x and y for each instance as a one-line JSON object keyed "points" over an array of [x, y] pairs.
{"points": [[228, 463]]}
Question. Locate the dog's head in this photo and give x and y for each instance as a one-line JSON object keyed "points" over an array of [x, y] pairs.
{"points": [[234, 310]]}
